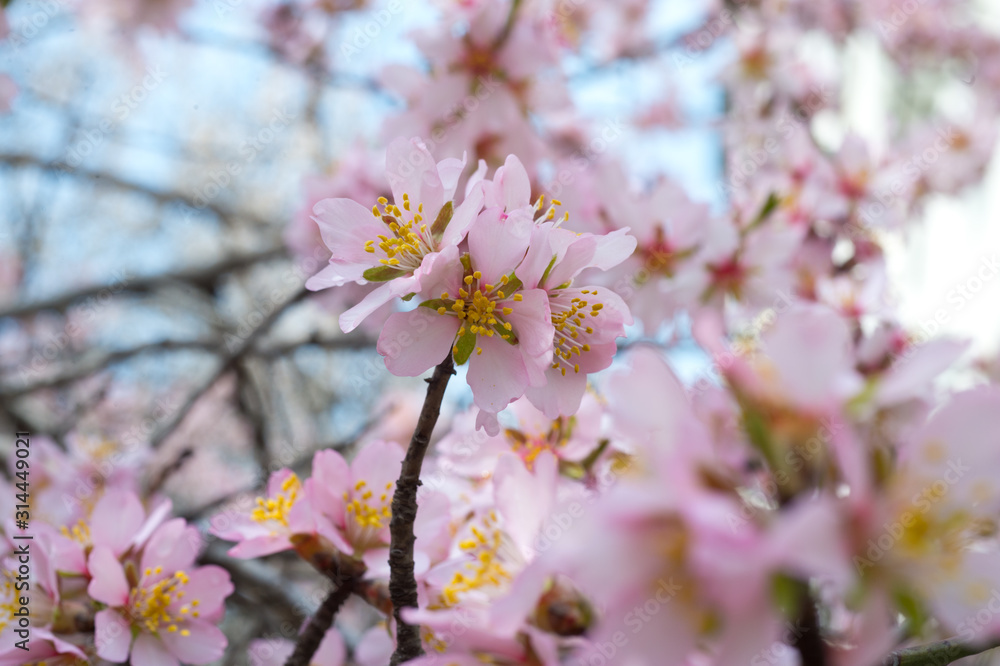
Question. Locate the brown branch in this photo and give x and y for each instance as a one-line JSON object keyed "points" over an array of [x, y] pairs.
{"points": [[936, 654], [56, 167], [320, 623], [205, 277], [402, 582], [229, 363], [88, 367]]}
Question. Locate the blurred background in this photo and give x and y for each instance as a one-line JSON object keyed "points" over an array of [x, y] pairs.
{"points": [[158, 161]]}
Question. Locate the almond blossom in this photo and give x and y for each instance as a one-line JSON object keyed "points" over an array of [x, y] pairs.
{"points": [[400, 243], [160, 608]]}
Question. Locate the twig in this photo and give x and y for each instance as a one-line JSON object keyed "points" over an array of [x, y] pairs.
{"points": [[508, 26], [22, 160], [310, 639], [89, 367], [203, 277], [939, 653], [228, 364], [402, 582]]}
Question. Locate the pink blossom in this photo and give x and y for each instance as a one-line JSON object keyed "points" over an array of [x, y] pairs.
{"points": [[283, 512], [483, 314], [401, 244], [160, 609], [352, 501]]}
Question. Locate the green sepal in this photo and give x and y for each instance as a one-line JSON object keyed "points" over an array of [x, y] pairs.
{"points": [[464, 347], [507, 336], [436, 303], [382, 274], [442, 220], [548, 268], [513, 284], [409, 296]]}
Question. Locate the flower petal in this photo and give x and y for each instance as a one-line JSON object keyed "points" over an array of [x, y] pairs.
{"points": [[413, 342], [112, 635], [108, 584]]}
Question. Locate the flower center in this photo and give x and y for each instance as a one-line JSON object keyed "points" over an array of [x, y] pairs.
{"points": [[277, 508], [569, 317], [486, 569], [374, 516], [79, 533], [410, 240], [151, 604], [477, 306], [9, 605]]}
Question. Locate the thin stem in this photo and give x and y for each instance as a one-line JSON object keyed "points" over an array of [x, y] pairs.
{"points": [[320, 622], [936, 654], [402, 582]]}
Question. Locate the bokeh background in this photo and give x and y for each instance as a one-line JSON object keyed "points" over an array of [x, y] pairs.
{"points": [[152, 293]]}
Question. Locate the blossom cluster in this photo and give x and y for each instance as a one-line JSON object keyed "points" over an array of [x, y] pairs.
{"points": [[111, 579], [493, 276], [819, 489]]}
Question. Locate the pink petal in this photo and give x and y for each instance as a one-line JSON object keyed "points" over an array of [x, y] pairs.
{"points": [[112, 635], [149, 651], [532, 322], [413, 342], [375, 299], [378, 463], [260, 546], [173, 546], [525, 498], [153, 521], [108, 584], [514, 185], [450, 170], [561, 394], [116, 518], [411, 169], [346, 226], [210, 585], [497, 242], [463, 216], [205, 643], [331, 477], [497, 376], [331, 651]]}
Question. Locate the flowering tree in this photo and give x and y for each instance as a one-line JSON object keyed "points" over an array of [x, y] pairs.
{"points": [[245, 480]]}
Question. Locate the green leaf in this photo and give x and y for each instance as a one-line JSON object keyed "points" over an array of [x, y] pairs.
{"points": [[441, 223], [382, 274], [464, 347]]}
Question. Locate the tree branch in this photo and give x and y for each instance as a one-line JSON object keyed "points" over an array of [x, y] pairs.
{"points": [[402, 582], [203, 277], [939, 653], [228, 364], [320, 623]]}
